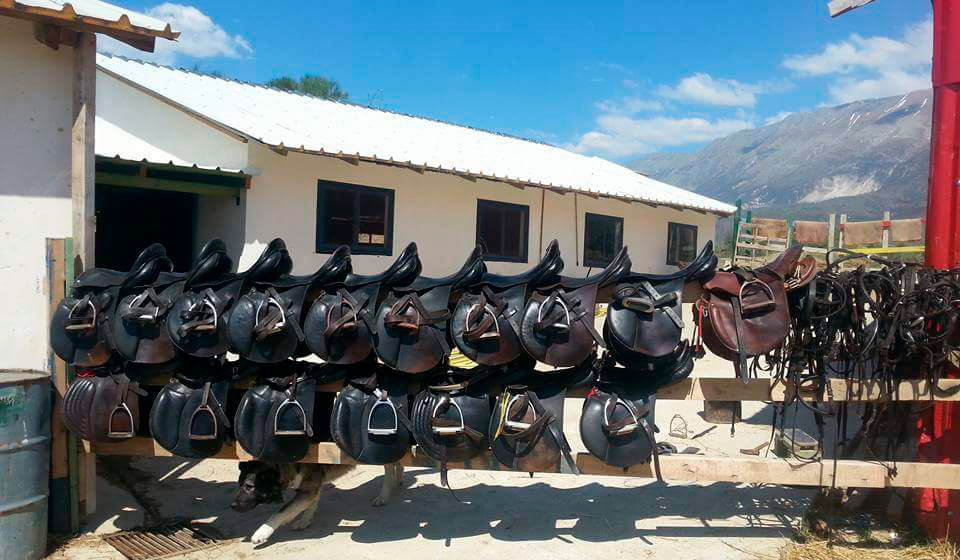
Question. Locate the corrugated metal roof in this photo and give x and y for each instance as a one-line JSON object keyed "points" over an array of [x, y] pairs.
{"points": [[106, 17], [290, 121]]}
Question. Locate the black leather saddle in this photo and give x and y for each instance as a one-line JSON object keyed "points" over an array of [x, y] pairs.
{"points": [[274, 420], [557, 325], [370, 420], [617, 424], [140, 323], [526, 424], [188, 418], [103, 407], [80, 329], [197, 323], [412, 319], [265, 324], [450, 419], [339, 326], [486, 321]]}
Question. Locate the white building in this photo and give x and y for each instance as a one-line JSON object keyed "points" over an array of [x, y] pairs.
{"points": [[320, 173]]}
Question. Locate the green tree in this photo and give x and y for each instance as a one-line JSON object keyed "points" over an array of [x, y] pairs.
{"points": [[311, 84]]}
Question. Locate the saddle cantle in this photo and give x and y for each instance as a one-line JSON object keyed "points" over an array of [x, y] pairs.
{"points": [[644, 322], [197, 322], [339, 327], [450, 419], [557, 325], [188, 418], [617, 425], [486, 321], [139, 326], [743, 312], [274, 420], [370, 419], [265, 324], [80, 329], [412, 319], [103, 408]]}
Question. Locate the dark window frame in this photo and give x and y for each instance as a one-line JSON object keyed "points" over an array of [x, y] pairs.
{"points": [[587, 217], [356, 248], [675, 260], [525, 245]]}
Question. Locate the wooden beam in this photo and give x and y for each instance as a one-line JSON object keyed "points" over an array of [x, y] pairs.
{"points": [[152, 183], [680, 468], [83, 156], [840, 7]]}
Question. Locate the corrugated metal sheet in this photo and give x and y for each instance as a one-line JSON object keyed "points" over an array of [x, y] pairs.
{"points": [[290, 121], [91, 12]]}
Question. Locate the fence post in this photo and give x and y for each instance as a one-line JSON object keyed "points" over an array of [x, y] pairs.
{"points": [[832, 232], [736, 233], [885, 241], [789, 230], [753, 251]]}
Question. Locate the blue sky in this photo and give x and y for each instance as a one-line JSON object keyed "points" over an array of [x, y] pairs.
{"points": [[616, 80]]}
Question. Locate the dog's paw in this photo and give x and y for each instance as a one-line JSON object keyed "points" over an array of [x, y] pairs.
{"points": [[380, 500], [262, 535], [301, 524]]}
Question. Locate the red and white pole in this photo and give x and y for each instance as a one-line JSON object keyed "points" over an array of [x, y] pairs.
{"points": [[938, 511]]}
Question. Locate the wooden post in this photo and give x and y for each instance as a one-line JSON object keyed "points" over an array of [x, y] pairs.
{"points": [[885, 242], [736, 233], [753, 252], [83, 156], [832, 232], [789, 229], [841, 240]]}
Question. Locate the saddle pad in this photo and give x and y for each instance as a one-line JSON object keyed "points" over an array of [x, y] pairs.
{"points": [[274, 421], [370, 423], [189, 423], [102, 408]]}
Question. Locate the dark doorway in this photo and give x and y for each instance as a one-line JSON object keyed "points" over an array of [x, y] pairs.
{"points": [[130, 219]]}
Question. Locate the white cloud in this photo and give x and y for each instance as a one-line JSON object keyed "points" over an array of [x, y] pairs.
{"points": [[618, 136], [870, 67], [630, 106], [200, 37], [704, 89]]}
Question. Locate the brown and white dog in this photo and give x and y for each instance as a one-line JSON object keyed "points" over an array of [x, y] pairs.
{"points": [[263, 483]]}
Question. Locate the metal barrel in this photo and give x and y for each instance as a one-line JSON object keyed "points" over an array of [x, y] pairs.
{"points": [[24, 463]]}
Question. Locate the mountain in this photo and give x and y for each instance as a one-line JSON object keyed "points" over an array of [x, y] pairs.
{"points": [[860, 159]]}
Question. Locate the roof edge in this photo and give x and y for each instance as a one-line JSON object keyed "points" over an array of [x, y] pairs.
{"points": [[68, 16]]}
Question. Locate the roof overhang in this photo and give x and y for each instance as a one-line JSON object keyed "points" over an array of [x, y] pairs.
{"points": [[60, 21]]}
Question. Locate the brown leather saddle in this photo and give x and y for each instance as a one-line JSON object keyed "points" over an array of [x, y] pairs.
{"points": [[265, 324], [339, 326], [81, 331], [644, 321], [744, 312], [412, 320], [197, 322], [486, 321], [103, 407], [558, 322]]}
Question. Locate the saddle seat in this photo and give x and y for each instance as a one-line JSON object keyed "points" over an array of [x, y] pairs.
{"points": [[619, 266], [402, 271], [549, 267], [470, 273], [337, 266], [700, 269], [146, 268]]}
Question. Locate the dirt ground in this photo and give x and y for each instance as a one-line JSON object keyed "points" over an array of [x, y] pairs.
{"points": [[505, 514]]}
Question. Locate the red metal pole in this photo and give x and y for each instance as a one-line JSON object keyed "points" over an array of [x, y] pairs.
{"points": [[938, 511]]}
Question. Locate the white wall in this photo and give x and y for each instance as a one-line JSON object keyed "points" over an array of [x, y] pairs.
{"points": [[36, 106], [438, 211], [135, 125]]}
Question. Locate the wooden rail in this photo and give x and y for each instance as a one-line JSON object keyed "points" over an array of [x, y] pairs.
{"points": [[680, 467]]}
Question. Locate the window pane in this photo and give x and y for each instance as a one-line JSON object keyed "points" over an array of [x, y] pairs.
{"points": [[338, 227], [513, 234], [502, 229], [688, 244], [603, 237], [491, 230], [372, 218]]}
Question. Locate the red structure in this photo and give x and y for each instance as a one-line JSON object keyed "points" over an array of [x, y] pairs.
{"points": [[938, 511]]}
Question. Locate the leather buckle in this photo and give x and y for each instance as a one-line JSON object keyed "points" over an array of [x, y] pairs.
{"points": [[643, 305], [75, 323], [127, 434], [448, 430], [383, 400], [291, 402]]}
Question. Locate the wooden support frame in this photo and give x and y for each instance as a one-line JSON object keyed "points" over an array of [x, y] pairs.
{"points": [[83, 156], [151, 183]]}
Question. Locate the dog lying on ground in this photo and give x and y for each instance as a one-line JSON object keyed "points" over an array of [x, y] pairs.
{"points": [[263, 483]]}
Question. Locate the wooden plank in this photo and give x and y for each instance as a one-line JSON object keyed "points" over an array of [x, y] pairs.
{"points": [[83, 157], [769, 247], [685, 468], [885, 241], [840, 7], [832, 232], [56, 271], [732, 389], [152, 183]]}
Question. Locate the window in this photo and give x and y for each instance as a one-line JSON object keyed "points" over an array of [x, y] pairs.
{"points": [[602, 239], [359, 217], [681, 243], [502, 230]]}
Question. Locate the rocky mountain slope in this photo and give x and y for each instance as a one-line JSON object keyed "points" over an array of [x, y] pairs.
{"points": [[860, 158]]}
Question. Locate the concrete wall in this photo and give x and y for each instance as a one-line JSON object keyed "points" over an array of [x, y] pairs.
{"points": [[36, 111], [438, 211], [136, 125], [223, 217]]}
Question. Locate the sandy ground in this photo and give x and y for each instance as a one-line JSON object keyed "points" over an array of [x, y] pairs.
{"points": [[507, 514]]}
